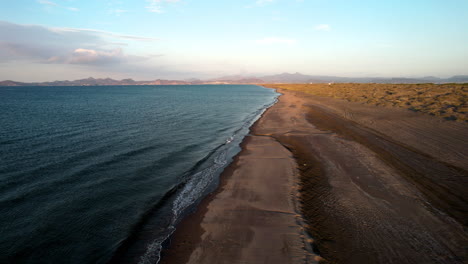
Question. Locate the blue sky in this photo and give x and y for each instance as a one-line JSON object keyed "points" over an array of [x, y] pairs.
{"points": [[177, 39]]}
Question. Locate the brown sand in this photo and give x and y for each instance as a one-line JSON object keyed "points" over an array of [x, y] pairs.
{"points": [[449, 101], [252, 218], [378, 185]]}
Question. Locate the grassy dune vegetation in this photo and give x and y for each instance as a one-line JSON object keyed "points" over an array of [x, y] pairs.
{"points": [[448, 101]]}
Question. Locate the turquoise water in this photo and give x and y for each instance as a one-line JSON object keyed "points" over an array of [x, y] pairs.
{"points": [[102, 174]]}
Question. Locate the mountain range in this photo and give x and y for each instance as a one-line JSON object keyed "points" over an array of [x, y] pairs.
{"points": [[240, 79]]}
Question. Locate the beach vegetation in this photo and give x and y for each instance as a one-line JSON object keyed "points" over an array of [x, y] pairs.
{"points": [[448, 101]]}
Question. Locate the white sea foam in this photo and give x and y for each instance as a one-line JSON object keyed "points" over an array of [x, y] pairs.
{"points": [[193, 190]]}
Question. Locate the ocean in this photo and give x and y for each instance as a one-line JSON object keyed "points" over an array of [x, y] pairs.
{"points": [[103, 174]]}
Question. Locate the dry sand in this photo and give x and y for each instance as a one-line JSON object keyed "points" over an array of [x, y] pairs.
{"points": [[448, 101], [378, 185]]}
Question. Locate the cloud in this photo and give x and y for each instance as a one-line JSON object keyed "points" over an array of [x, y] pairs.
{"points": [[274, 40], [38, 44], [104, 33], [166, 1], [94, 57], [323, 27], [155, 6], [51, 4], [45, 2], [9, 50], [263, 2], [90, 56], [259, 3]]}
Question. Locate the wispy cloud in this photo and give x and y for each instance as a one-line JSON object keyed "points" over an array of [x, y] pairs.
{"points": [[263, 2], [259, 3], [45, 2], [105, 33], [323, 27], [275, 40], [93, 57], [156, 6], [38, 44], [51, 4]]}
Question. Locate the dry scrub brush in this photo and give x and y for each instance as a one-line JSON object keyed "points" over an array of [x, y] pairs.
{"points": [[448, 101]]}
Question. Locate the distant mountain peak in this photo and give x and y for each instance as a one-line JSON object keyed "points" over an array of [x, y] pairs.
{"points": [[240, 79]]}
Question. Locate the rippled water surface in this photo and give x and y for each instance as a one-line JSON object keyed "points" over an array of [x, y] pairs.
{"points": [[94, 174]]}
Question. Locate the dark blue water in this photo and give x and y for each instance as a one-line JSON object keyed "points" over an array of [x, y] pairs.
{"points": [[94, 174]]}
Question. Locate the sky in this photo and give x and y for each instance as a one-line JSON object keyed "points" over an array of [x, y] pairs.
{"points": [[46, 40]]}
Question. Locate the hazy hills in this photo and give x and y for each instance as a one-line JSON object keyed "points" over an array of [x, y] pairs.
{"points": [[240, 79], [302, 78]]}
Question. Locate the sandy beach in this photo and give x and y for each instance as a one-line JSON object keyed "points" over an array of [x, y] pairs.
{"points": [[369, 184]]}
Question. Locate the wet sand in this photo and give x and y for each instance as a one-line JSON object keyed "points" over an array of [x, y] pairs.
{"points": [[376, 185]]}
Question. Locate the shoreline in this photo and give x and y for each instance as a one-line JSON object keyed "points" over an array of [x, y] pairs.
{"points": [[188, 244], [344, 177], [214, 164]]}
